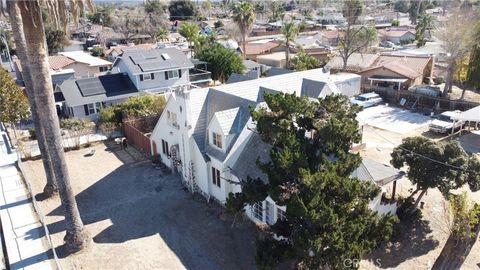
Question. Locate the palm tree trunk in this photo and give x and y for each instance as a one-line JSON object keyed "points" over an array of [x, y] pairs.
{"points": [[287, 55], [76, 237], [244, 41], [17, 30]]}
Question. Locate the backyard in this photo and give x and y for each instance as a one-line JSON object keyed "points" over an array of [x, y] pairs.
{"points": [[139, 219], [414, 245]]}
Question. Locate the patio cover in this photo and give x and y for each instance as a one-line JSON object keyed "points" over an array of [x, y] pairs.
{"points": [[472, 115], [387, 79]]}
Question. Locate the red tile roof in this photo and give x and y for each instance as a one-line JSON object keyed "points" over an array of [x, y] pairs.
{"points": [[59, 61]]}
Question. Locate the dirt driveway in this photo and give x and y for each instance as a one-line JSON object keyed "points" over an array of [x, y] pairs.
{"points": [[141, 220], [416, 246]]}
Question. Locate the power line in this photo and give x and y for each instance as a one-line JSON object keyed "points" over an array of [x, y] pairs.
{"points": [[425, 157]]}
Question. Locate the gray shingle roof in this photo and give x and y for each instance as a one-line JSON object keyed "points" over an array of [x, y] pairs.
{"points": [[140, 61], [274, 71], [235, 77], [246, 164], [381, 174], [97, 89]]}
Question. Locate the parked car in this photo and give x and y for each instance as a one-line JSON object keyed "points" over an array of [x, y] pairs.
{"points": [[387, 44], [443, 123], [367, 100]]}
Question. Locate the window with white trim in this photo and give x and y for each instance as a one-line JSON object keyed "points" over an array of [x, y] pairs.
{"points": [[281, 214], [216, 177], [172, 118], [165, 149], [172, 74], [258, 211], [93, 108], [217, 139], [103, 68], [269, 210], [147, 76]]}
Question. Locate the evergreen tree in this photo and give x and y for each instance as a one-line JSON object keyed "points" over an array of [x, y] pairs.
{"points": [[222, 62], [328, 218]]}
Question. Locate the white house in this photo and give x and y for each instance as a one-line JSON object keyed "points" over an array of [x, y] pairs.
{"points": [[206, 135], [84, 64]]}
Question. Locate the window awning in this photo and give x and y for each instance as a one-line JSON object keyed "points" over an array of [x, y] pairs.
{"points": [[387, 79]]}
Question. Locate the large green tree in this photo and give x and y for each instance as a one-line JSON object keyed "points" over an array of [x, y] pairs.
{"points": [[222, 62], [182, 10], [244, 17], [14, 105], [354, 37], [328, 218], [445, 166]]}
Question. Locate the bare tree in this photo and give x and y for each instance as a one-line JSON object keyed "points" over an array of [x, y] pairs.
{"points": [[456, 35]]}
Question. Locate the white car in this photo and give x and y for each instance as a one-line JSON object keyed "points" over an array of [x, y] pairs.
{"points": [[367, 100], [443, 123]]}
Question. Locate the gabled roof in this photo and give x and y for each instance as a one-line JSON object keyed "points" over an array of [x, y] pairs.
{"points": [[85, 58], [356, 62], [226, 118], [141, 61], [121, 48], [395, 32], [408, 66], [97, 89]]}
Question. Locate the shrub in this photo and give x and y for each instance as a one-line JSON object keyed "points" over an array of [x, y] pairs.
{"points": [[32, 133], [395, 23], [74, 123], [97, 52], [440, 80], [218, 24], [133, 107]]}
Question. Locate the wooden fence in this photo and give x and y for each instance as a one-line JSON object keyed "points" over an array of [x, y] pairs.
{"points": [[420, 101], [136, 131]]}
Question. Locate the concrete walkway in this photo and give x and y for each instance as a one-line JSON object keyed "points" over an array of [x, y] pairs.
{"points": [[20, 223]]}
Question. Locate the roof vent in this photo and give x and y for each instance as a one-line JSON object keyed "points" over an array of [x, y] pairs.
{"points": [[165, 56]]}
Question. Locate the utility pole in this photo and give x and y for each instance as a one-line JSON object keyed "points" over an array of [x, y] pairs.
{"points": [[4, 40]]}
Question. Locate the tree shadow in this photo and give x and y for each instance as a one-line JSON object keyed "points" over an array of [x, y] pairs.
{"points": [[411, 239], [140, 202]]}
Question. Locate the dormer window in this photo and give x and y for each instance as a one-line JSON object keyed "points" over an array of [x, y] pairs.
{"points": [[217, 139]]}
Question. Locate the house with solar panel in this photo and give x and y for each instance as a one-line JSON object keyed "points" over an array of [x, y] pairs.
{"points": [[205, 135], [135, 72]]}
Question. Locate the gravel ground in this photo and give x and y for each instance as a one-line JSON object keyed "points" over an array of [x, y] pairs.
{"points": [[141, 220], [419, 245]]}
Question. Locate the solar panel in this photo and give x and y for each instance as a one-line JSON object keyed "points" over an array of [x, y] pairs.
{"points": [[90, 87]]}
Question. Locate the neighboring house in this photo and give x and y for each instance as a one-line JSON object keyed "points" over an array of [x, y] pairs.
{"points": [[397, 35], [252, 69], [206, 134], [112, 53], [83, 98], [331, 37], [276, 59], [155, 70], [136, 71], [84, 64], [398, 71], [59, 70], [308, 42], [255, 49], [356, 62], [235, 77]]}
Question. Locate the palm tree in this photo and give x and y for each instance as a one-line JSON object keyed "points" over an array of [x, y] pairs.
{"points": [[425, 25], [29, 13], [290, 32], [17, 29], [162, 34], [189, 31], [244, 16]]}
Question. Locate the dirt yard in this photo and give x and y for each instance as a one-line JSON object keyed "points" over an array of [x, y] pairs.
{"points": [[139, 219], [418, 246]]}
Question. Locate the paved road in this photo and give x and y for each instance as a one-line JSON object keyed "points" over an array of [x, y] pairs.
{"points": [[20, 224]]}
